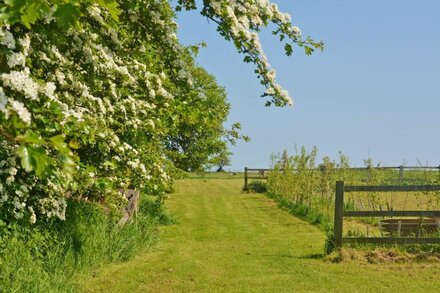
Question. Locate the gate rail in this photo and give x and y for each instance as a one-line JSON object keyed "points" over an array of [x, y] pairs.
{"points": [[340, 213]]}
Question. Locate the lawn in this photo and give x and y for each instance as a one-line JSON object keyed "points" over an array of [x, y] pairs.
{"points": [[226, 241]]}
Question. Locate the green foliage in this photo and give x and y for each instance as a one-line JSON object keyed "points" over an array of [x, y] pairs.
{"points": [[33, 159], [329, 245], [240, 22], [66, 12], [199, 139], [105, 104], [49, 256], [305, 212], [100, 95], [256, 186], [221, 160], [306, 189]]}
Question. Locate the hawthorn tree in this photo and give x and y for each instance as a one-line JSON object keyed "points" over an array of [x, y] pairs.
{"points": [[96, 96]]}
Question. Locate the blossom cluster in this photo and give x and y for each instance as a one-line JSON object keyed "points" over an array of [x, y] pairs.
{"points": [[105, 90], [241, 21]]}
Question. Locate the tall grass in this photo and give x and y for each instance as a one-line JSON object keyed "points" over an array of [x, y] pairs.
{"points": [[49, 256], [306, 188]]}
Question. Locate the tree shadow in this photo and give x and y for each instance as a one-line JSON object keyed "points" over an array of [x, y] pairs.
{"points": [[307, 256], [312, 256]]}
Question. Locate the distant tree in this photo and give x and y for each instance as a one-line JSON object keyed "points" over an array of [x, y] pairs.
{"points": [[221, 160], [200, 136]]}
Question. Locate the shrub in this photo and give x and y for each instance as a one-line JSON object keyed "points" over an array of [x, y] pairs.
{"points": [[256, 186]]}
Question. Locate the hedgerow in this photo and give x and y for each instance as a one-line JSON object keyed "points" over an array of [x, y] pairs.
{"points": [[98, 96]]}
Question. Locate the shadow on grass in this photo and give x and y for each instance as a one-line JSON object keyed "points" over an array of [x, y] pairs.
{"points": [[312, 256], [307, 256]]}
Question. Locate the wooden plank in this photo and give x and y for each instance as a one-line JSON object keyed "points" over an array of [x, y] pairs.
{"points": [[391, 240], [433, 214], [409, 225], [339, 211], [388, 188], [373, 168], [418, 221], [245, 178], [364, 168], [129, 211], [421, 167]]}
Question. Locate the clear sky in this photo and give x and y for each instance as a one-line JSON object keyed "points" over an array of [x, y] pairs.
{"points": [[374, 90]]}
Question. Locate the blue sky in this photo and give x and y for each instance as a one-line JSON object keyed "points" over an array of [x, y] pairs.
{"points": [[374, 90]]}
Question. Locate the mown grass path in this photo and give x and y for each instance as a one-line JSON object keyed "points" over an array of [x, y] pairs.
{"points": [[226, 241]]}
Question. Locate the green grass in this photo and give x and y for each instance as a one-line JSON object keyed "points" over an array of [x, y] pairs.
{"points": [[216, 175], [49, 257], [226, 241]]}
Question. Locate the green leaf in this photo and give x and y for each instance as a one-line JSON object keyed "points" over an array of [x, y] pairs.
{"points": [[74, 144], [69, 166], [247, 59], [13, 10], [67, 15], [25, 158], [39, 160], [112, 7], [59, 144], [33, 159], [288, 48], [33, 11], [30, 137], [308, 50]]}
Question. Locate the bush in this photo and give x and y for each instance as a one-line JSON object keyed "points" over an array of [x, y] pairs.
{"points": [[48, 256], [256, 186]]}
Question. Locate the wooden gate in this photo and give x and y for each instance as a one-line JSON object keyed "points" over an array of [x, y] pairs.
{"points": [[340, 213]]}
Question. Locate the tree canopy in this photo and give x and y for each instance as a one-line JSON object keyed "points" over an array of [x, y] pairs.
{"points": [[97, 96]]}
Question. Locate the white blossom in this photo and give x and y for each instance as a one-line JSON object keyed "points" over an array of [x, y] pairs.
{"points": [[7, 39], [16, 59], [22, 82], [3, 99], [25, 42], [49, 90], [21, 111]]}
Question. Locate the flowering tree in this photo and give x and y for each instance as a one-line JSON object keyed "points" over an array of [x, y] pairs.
{"points": [[240, 21], [93, 95]]}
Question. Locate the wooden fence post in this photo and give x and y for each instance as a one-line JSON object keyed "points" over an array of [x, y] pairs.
{"points": [[400, 174], [245, 178], [339, 210]]}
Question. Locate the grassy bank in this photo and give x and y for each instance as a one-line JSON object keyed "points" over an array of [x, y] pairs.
{"points": [[49, 257], [227, 241]]}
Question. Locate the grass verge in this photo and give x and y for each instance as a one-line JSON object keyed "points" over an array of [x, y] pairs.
{"points": [[48, 257], [229, 241]]}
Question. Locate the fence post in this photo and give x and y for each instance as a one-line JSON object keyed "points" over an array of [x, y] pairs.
{"points": [[339, 210], [400, 174], [245, 178]]}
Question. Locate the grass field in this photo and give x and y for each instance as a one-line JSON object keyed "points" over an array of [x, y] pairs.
{"points": [[226, 241]]}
